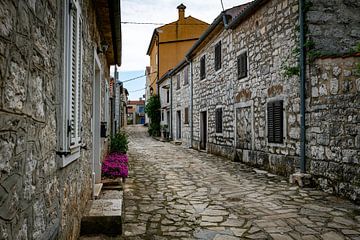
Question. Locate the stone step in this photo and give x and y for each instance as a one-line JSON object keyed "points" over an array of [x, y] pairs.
{"points": [[97, 190], [102, 216]]}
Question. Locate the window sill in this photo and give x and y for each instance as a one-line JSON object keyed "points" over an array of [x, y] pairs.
{"points": [[64, 160]]}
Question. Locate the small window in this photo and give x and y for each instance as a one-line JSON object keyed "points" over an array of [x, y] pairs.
{"points": [[218, 120], [167, 96], [162, 115], [275, 121], [242, 65], [178, 81], [218, 56], [186, 121], [202, 67], [186, 75]]}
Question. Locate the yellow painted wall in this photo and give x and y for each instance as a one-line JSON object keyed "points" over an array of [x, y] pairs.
{"points": [[175, 39]]}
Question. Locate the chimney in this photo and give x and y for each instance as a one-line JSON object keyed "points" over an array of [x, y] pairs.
{"points": [[181, 9]]}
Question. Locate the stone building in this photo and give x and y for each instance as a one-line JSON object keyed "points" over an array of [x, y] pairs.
{"points": [[181, 103], [55, 58], [247, 94], [170, 42], [165, 94]]}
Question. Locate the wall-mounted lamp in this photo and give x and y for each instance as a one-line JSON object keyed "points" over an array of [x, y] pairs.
{"points": [[103, 47]]}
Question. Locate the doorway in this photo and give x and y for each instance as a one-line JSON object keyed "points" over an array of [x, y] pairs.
{"points": [[203, 130], [96, 114], [178, 118]]}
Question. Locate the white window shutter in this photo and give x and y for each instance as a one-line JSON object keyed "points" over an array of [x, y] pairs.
{"points": [[75, 75]]}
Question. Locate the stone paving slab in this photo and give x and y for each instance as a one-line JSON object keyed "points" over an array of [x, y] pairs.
{"points": [[178, 193]]}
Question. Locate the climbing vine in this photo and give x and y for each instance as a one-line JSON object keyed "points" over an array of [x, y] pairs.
{"points": [[152, 109]]}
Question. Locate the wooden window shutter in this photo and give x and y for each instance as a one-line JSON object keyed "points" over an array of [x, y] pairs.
{"points": [[218, 56], [218, 120], [242, 65], [75, 75], [278, 122], [186, 76], [275, 121], [186, 115], [178, 81], [202, 67]]}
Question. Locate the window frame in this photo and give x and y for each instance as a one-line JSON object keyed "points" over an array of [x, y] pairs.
{"points": [[178, 83], [217, 57], [186, 76], [275, 120], [202, 67], [186, 115], [243, 56], [219, 120], [70, 117]]}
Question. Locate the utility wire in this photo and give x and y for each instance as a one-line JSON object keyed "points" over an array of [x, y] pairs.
{"points": [[152, 23], [138, 90], [132, 79]]}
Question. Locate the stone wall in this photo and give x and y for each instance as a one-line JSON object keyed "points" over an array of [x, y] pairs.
{"points": [[39, 200], [214, 91], [333, 130], [180, 101], [334, 26], [268, 36]]}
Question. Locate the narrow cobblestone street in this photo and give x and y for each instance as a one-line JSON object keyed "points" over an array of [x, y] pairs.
{"points": [[178, 193]]}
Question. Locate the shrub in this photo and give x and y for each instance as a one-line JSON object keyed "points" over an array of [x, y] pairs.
{"points": [[115, 165], [119, 143], [152, 109]]}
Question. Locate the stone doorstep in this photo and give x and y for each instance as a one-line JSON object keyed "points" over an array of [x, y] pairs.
{"points": [[102, 216], [302, 179], [97, 190]]}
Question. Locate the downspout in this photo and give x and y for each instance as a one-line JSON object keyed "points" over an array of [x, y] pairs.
{"points": [[225, 20], [302, 87], [171, 107], [191, 102]]}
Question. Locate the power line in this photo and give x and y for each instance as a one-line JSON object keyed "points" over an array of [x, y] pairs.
{"points": [[153, 23], [132, 79], [138, 90]]}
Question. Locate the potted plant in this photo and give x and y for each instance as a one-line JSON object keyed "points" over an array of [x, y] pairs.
{"points": [[115, 165], [164, 131]]}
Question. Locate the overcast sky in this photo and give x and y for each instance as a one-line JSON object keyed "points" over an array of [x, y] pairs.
{"points": [[136, 37]]}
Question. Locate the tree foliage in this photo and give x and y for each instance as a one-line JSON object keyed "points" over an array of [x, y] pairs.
{"points": [[152, 109]]}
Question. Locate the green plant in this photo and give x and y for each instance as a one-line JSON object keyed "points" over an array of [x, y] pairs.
{"points": [[357, 47], [289, 71], [152, 109], [119, 143]]}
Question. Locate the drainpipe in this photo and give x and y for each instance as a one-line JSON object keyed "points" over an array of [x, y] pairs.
{"points": [[171, 107], [302, 87], [191, 102], [225, 20]]}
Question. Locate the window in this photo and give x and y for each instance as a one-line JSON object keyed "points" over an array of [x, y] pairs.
{"points": [[186, 76], [218, 56], [275, 121], [167, 96], [242, 65], [186, 120], [162, 115], [178, 81], [218, 120], [70, 129], [202, 67]]}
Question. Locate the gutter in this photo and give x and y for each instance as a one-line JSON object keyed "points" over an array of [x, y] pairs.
{"points": [[302, 87], [115, 15]]}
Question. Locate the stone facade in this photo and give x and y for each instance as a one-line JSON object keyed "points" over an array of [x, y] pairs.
{"points": [[333, 27], [269, 37], [38, 199], [333, 131], [181, 102]]}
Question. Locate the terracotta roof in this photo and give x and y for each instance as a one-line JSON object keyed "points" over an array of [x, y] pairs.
{"points": [[136, 102]]}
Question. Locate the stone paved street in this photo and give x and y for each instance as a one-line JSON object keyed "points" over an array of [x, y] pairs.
{"points": [[178, 193]]}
